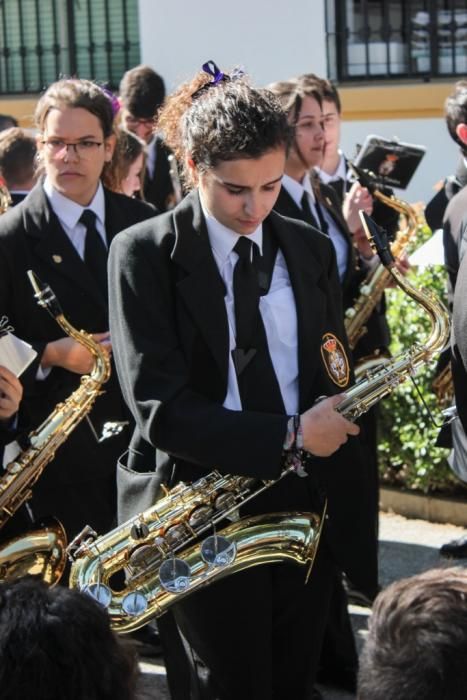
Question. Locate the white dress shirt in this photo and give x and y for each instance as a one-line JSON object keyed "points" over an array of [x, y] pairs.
{"points": [[69, 213], [277, 309], [340, 243]]}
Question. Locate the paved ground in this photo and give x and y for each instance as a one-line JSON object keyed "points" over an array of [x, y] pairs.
{"points": [[407, 547]]}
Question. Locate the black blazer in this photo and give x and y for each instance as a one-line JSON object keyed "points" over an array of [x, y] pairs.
{"points": [[454, 236], [31, 238], [170, 334], [158, 189], [377, 335]]}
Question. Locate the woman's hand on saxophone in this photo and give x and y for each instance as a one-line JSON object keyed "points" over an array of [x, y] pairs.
{"points": [[73, 356], [11, 393], [356, 199], [324, 429]]}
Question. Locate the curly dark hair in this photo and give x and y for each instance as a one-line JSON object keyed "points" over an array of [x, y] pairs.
{"points": [[56, 643], [228, 121]]}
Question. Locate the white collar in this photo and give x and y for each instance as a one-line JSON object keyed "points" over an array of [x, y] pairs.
{"points": [[70, 212], [296, 189], [340, 171], [223, 239]]}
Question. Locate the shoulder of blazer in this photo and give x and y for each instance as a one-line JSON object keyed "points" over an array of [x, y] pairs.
{"points": [[318, 243], [128, 209], [30, 215]]}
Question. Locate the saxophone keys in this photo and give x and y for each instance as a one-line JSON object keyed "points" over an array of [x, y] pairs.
{"points": [[174, 575], [218, 551], [134, 603], [100, 592]]}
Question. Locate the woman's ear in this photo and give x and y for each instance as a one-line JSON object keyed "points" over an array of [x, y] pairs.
{"points": [[461, 131], [192, 168]]}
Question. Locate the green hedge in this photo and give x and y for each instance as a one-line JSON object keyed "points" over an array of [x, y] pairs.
{"points": [[407, 455]]}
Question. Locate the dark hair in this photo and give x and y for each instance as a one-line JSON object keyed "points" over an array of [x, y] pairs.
{"points": [[7, 121], [231, 120], [17, 154], [455, 109], [291, 94], [57, 643], [417, 643], [142, 92], [325, 87], [72, 92], [127, 149]]}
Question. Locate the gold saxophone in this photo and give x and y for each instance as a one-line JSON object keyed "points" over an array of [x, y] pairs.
{"points": [[43, 551], [160, 549], [5, 199], [373, 286]]}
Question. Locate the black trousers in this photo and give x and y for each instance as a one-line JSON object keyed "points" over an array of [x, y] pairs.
{"points": [[258, 633]]}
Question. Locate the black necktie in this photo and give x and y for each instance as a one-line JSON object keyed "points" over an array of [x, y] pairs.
{"points": [[257, 381], [95, 251], [323, 224], [339, 187], [306, 210]]}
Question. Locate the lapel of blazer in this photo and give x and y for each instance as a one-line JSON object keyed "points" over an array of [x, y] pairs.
{"points": [[286, 206], [305, 273], [53, 246], [202, 288], [330, 201]]}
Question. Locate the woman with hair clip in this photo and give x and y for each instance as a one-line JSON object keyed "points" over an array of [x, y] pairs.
{"points": [[222, 317], [62, 231]]}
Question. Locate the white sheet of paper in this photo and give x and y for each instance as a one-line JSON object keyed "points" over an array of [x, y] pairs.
{"points": [[15, 354]]}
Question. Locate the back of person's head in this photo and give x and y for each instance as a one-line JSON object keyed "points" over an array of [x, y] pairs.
{"points": [[7, 121], [455, 109], [213, 120], [142, 92], [17, 158], [417, 643], [76, 93], [326, 88], [57, 644]]}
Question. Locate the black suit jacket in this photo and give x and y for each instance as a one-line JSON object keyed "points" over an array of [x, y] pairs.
{"points": [[158, 189], [454, 237], [169, 327], [377, 335], [31, 238]]}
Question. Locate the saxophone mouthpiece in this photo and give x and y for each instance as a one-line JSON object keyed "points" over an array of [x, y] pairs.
{"points": [[365, 177], [378, 238], [44, 295]]}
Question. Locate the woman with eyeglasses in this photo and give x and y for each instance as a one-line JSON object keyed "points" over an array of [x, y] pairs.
{"points": [[62, 232]]}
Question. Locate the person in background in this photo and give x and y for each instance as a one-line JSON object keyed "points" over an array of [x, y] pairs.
{"points": [[62, 231], [56, 643], [125, 172], [141, 95], [417, 641], [304, 197], [18, 150], [7, 121]]}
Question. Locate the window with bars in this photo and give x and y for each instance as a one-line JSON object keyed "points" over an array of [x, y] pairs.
{"points": [[42, 40], [383, 39]]}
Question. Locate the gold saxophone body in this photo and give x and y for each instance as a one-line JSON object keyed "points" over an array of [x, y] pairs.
{"points": [[160, 550], [372, 288], [43, 551], [5, 199]]}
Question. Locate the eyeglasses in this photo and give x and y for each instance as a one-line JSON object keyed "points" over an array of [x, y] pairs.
{"points": [[134, 121], [83, 149]]}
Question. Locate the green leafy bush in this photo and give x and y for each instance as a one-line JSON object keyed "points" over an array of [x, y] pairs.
{"points": [[407, 455]]}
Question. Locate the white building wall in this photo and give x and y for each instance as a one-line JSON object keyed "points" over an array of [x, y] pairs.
{"points": [[440, 158], [272, 41]]}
